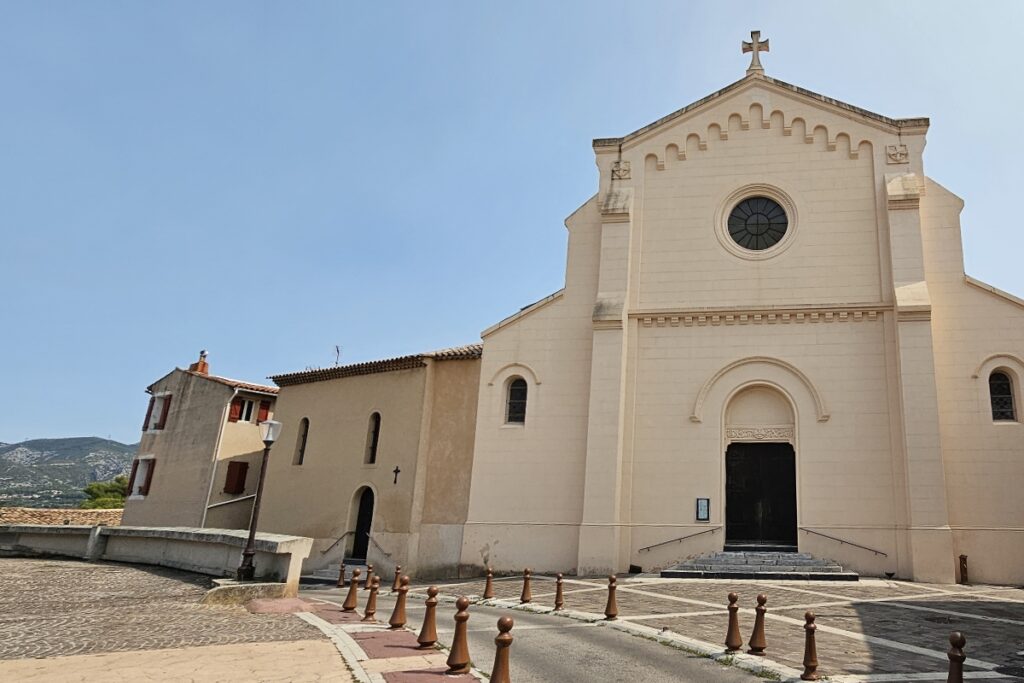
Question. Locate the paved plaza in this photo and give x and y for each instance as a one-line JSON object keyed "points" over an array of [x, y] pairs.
{"points": [[76, 621], [872, 630], [63, 620]]}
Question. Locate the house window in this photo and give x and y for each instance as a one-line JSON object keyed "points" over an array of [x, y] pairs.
{"points": [[141, 477], [372, 439], [300, 445], [1000, 389], [241, 410], [515, 408], [264, 413], [234, 482], [156, 413]]}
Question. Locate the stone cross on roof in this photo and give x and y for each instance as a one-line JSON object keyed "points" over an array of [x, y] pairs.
{"points": [[756, 45]]}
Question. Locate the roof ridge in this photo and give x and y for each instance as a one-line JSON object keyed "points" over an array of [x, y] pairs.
{"points": [[465, 352], [898, 123]]}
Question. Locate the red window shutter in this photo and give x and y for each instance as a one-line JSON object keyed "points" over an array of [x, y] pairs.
{"points": [[149, 413], [131, 477], [149, 478], [163, 413], [235, 480], [236, 410], [264, 413]]}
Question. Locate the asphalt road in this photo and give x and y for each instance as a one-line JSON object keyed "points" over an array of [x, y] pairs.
{"points": [[549, 649]]}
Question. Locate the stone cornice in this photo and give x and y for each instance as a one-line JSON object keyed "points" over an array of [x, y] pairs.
{"points": [[760, 316]]}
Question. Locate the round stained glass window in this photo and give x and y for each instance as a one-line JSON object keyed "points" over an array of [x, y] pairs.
{"points": [[757, 223]]}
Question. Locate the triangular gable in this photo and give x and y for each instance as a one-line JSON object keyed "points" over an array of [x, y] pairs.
{"points": [[897, 126]]}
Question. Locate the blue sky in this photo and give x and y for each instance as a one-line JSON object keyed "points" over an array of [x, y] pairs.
{"points": [[266, 180]]}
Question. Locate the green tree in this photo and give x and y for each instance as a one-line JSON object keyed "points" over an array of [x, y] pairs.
{"points": [[106, 494]]}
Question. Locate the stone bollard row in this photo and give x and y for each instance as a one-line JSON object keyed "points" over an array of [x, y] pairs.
{"points": [[611, 607], [527, 595], [956, 657], [458, 659], [369, 614], [398, 618], [489, 586], [428, 633], [398, 579], [502, 643], [351, 600], [559, 597]]}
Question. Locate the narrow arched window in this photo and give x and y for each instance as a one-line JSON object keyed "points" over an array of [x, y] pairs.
{"points": [[515, 405], [1000, 390], [300, 444], [372, 439]]}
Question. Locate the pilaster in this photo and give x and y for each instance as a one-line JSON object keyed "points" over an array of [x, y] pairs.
{"points": [[930, 538], [601, 528]]}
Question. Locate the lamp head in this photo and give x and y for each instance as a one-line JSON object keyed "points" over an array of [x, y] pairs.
{"points": [[270, 430]]}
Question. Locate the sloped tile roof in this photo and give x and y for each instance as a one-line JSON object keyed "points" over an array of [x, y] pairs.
{"points": [[468, 352], [237, 384], [58, 516]]}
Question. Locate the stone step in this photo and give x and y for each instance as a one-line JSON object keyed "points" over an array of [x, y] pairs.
{"points": [[699, 566], [760, 564], [765, 575]]}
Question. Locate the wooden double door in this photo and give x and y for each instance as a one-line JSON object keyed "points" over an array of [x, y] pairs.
{"points": [[760, 494]]}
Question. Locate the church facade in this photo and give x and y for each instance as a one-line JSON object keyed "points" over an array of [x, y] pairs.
{"points": [[765, 338]]}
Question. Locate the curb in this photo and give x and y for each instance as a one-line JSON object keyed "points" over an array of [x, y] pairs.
{"points": [[353, 654]]}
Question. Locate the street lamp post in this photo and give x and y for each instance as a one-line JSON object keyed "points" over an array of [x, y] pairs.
{"points": [[270, 429]]}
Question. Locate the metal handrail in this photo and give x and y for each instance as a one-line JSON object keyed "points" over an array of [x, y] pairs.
{"points": [[374, 541], [336, 542], [841, 541], [682, 538]]}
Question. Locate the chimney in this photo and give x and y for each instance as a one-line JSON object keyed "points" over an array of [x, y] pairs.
{"points": [[200, 366]]}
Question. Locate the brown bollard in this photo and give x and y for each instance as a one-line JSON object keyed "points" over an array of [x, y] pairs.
{"points": [[757, 643], [956, 657], [733, 639], [351, 601], [397, 619], [341, 577], [810, 649], [458, 658], [611, 608], [428, 633], [371, 601], [499, 673], [489, 586], [398, 578], [369, 577], [559, 598], [527, 595]]}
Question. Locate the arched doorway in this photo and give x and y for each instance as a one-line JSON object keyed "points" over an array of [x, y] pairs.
{"points": [[760, 470], [364, 522]]}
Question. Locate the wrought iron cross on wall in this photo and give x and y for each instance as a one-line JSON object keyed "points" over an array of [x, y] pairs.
{"points": [[396, 472]]}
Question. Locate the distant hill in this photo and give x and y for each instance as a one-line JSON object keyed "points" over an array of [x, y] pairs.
{"points": [[52, 472]]}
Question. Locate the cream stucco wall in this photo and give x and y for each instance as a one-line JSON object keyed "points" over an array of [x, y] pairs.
{"points": [[861, 319], [427, 417], [977, 330], [192, 453], [183, 452]]}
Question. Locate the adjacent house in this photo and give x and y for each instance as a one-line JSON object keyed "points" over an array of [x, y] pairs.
{"points": [[199, 457], [374, 460]]}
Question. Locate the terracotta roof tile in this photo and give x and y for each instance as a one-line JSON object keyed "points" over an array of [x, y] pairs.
{"points": [[468, 352], [237, 384], [59, 516]]}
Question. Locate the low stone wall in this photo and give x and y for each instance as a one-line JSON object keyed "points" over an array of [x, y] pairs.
{"points": [[216, 552]]}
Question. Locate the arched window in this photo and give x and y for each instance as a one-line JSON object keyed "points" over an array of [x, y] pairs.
{"points": [[515, 404], [372, 439], [1000, 390], [300, 445]]}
